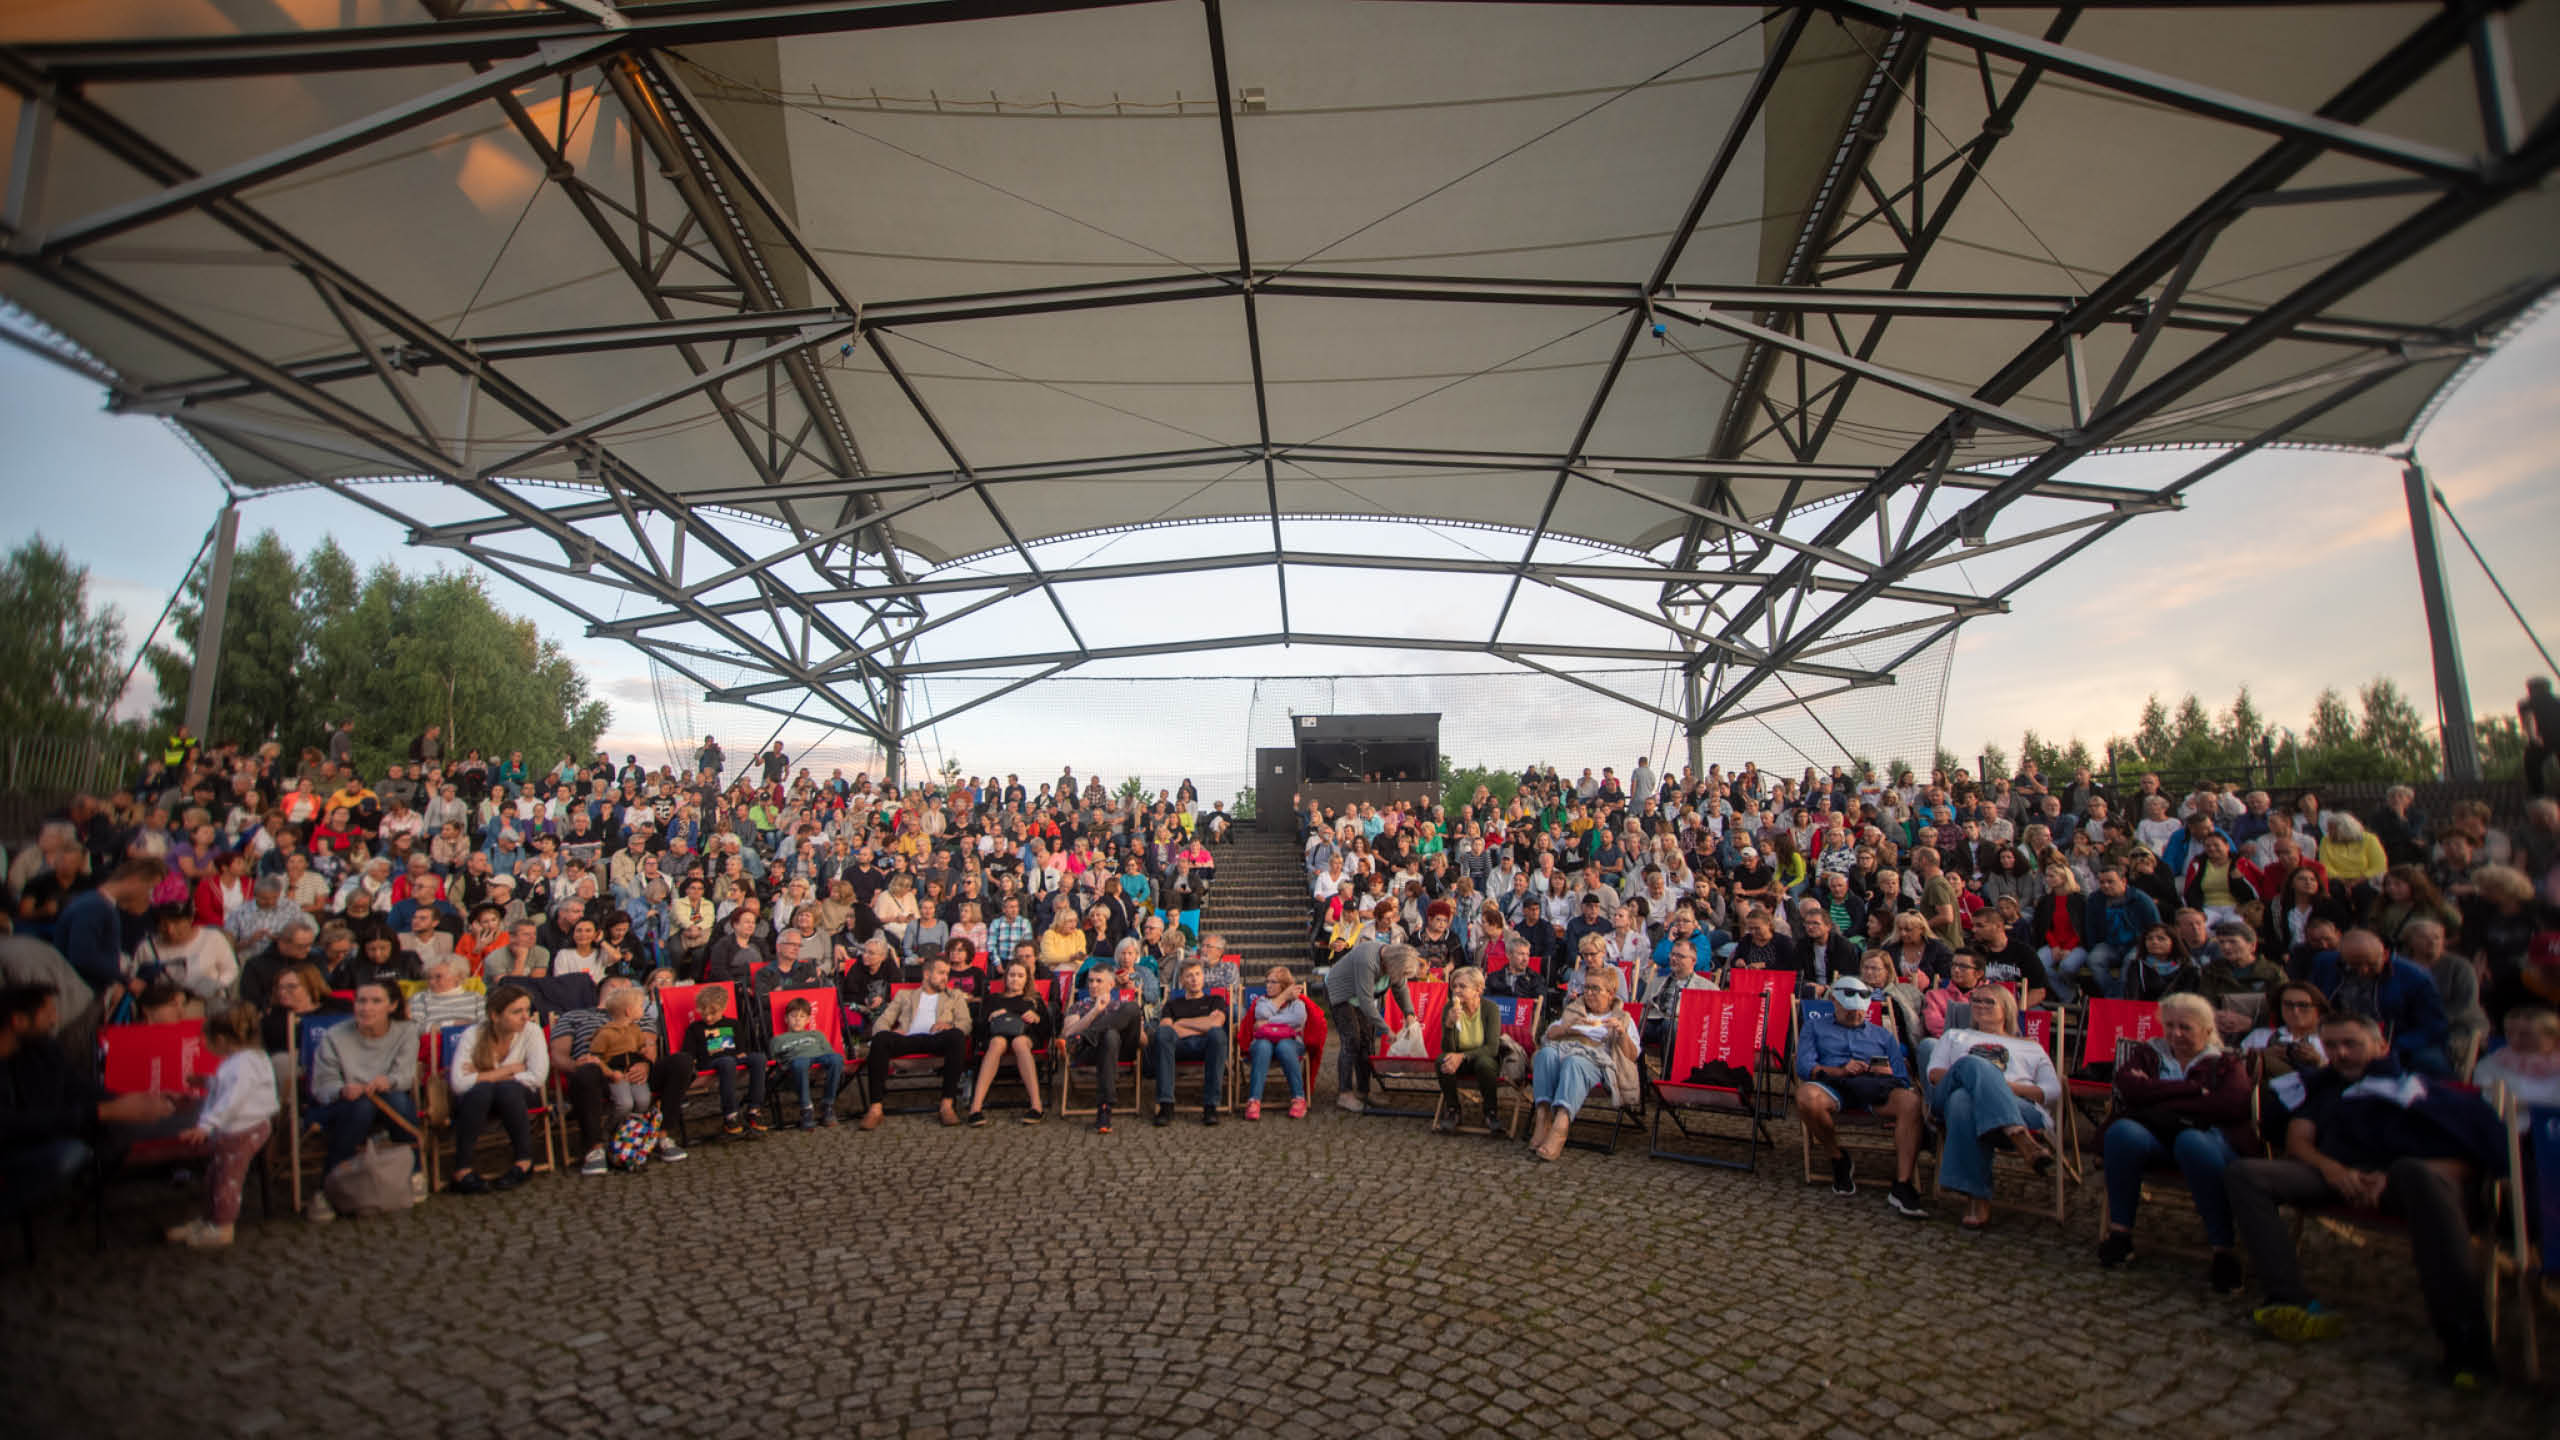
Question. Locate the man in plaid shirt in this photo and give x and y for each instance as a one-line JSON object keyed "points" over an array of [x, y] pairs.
{"points": [[1009, 928]]}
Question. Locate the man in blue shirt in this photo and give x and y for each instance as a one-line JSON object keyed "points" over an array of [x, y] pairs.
{"points": [[1846, 1062], [91, 934]]}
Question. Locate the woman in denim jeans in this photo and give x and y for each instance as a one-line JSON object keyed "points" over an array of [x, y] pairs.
{"points": [[1278, 1029], [1989, 1084]]}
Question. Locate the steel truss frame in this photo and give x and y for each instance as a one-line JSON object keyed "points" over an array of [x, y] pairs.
{"points": [[1742, 601]]}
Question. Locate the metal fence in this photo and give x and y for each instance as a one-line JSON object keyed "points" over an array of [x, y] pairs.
{"points": [[59, 765]]}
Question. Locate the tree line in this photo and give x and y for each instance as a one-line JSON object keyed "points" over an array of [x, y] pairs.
{"points": [[306, 642]]}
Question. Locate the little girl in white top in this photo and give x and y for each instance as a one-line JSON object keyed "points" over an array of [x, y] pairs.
{"points": [[238, 1113]]}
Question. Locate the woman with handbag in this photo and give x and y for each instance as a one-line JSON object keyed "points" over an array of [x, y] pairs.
{"points": [[366, 1071], [1017, 1028], [1278, 1028], [2179, 1097]]}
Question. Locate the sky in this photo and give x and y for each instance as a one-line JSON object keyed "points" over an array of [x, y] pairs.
{"points": [[2289, 573]]}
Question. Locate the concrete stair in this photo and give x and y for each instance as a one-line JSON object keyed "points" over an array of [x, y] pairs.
{"points": [[1259, 902]]}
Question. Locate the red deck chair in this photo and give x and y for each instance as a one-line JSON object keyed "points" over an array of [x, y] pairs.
{"points": [[1780, 986], [1405, 1074], [677, 1005], [904, 1068], [823, 1014], [1728, 1026], [435, 1102], [2106, 1022], [1311, 1035], [167, 1059]]}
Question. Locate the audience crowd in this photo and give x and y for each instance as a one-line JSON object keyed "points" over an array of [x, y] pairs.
{"points": [[2323, 984]]}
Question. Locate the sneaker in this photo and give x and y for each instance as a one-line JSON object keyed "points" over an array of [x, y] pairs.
{"points": [[1447, 1124], [515, 1176], [1032, 1116], [2224, 1274], [2309, 1321], [731, 1127], [755, 1122], [1102, 1121], [594, 1164], [468, 1183], [1298, 1108], [827, 1118], [1208, 1114], [318, 1211], [808, 1119], [977, 1119], [1905, 1200], [1842, 1182], [1164, 1113], [668, 1149], [1253, 1109], [1350, 1102], [417, 1185], [201, 1235], [2117, 1248]]}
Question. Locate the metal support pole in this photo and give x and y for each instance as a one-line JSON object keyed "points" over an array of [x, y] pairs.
{"points": [[2453, 693], [217, 594], [897, 746], [1693, 703]]}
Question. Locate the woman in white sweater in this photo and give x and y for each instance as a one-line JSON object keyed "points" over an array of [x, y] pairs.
{"points": [[498, 1067], [239, 1109], [1989, 1084]]}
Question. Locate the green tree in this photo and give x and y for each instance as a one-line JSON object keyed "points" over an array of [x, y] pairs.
{"points": [[306, 645], [1248, 804], [1133, 788], [60, 664], [2393, 727], [1995, 763], [2501, 742], [1947, 761], [1458, 785]]}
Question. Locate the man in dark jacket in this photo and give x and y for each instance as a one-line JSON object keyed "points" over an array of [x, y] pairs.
{"points": [[2372, 1136], [53, 1113], [2363, 978]]}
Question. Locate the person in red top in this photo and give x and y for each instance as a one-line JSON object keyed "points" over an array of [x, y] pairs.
{"points": [[335, 836], [2059, 930]]}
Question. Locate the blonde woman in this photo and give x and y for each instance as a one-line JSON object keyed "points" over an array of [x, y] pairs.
{"points": [[1989, 1084], [1593, 1043], [896, 905]]}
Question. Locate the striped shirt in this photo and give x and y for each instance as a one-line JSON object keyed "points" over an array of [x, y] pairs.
{"points": [[581, 1027]]}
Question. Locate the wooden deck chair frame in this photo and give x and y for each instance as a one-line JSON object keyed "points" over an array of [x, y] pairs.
{"points": [[1852, 1126], [1621, 1117], [2520, 1252], [435, 1116], [1673, 1097], [1404, 1075], [1524, 1033], [1133, 1058], [2057, 1205], [297, 1102]]}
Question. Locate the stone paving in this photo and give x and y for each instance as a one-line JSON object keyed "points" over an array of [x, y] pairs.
{"points": [[1336, 1276]]}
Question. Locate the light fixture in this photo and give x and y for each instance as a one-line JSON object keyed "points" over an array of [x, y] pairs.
{"points": [[1255, 102]]}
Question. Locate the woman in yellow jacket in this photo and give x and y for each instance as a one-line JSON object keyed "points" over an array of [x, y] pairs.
{"points": [[2352, 855]]}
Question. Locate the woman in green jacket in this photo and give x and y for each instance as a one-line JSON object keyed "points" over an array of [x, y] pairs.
{"points": [[1470, 1047]]}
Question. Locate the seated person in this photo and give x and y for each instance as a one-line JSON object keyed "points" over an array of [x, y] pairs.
{"points": [[365, 1072], [53, 1112], [801, 1050], [498, 1067], [1278, 1026], [1847, 1060], [1470, 1048], [2374, 1136], [1591, 1044], [2528, 1069], [2363, 978], [718, 1042], [865, 987], [607, 1053], [932, 1019], [446, 1000], [2235, 968], [2180, 1098], [1017, 1030], [1100, 1027], [1662, 989], [1521, 976], [1193, 1027], [1988, 1084]]}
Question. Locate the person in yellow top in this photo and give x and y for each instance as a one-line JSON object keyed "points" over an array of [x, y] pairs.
{"points": [[351, 795], [2352, 855], [1062, 944]]}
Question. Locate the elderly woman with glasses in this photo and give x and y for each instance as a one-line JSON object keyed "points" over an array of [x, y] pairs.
{"points": [[2180, 1098], [1592, 1044], [1990, 1084]]}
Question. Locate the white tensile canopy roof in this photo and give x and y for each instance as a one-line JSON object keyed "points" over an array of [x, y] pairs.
{"points": [[800, 329]]}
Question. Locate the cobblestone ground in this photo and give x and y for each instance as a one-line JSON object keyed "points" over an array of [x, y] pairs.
{"points": [[1330, 1277]]}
